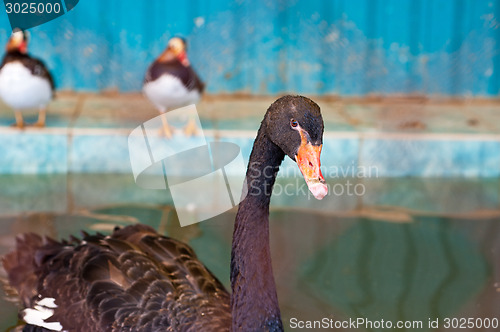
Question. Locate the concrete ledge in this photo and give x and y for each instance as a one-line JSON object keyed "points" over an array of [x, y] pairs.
{"points": [[105, 150], [87, 133]]}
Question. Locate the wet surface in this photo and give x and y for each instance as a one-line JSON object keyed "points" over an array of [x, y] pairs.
{"points": [[407, 248], [88, 133]]}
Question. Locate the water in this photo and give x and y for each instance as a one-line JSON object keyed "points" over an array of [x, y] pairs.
{"points": [[425, 265]]}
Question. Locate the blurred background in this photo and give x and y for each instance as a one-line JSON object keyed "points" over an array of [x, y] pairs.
{"points": [[349, 48], [409, 94]]}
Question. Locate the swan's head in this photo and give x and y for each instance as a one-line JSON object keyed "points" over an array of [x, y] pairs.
{"points": [[294, 123], [18, 41]]}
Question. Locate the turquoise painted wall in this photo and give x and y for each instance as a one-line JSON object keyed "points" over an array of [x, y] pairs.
{"points": [[346, 47]]}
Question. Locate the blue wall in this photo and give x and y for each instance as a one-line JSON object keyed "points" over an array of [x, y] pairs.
{"points": [[346, 47]]}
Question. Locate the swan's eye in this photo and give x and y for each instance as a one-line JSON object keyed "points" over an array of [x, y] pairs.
{"points": [[294, 123]]}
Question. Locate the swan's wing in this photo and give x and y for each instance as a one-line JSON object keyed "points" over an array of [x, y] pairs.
{"points": [[133, 280]]}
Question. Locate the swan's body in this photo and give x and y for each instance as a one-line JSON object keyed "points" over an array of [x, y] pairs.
{"points": [[138, 280], [133, 280]]}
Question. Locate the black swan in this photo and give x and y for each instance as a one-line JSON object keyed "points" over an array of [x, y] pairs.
{"points": [[138, 280], [171, 82], [25, 82]]}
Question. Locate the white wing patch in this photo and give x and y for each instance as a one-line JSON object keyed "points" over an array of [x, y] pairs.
{"points": [[41, 311]]}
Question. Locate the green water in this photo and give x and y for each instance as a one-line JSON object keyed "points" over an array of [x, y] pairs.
{"points": [[346, 265]]}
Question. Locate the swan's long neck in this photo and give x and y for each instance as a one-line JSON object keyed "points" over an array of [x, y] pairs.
{"points": [[254, 302]]}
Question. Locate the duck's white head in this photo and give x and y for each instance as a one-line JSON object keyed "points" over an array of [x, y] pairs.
{"points": [[177, 46]]}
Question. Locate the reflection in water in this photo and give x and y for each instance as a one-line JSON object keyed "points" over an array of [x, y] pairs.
{"points": [[397, 272]]}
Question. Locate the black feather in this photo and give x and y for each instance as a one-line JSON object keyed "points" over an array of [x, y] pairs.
{"points": [[175, 68]]}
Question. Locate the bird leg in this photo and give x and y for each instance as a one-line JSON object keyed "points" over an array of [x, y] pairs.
{"points": [[19, 120], [41, 118], [165, 130], [191, 128]]}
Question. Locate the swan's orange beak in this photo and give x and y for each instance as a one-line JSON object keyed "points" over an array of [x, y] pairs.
{"points": [[308, 160]]}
